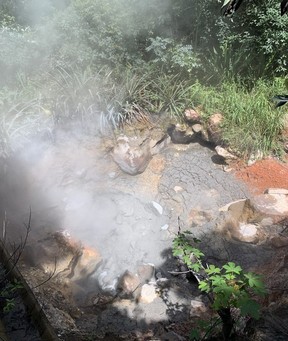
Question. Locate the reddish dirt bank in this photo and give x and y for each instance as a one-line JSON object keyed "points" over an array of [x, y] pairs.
{"points": [[264, 174]]}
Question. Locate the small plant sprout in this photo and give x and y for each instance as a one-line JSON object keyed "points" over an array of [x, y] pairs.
{"points": [[226, 286]]}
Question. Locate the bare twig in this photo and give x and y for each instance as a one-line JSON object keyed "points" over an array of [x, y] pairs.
{"points": [[179, 272], [50, 275]]}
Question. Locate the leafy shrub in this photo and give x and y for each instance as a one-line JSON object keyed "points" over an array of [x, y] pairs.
{"points": [[173, 57], [226, 286], [260, 30]]}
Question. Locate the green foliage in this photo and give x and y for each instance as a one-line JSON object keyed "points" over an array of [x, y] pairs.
{"points": [[173, 57], [157, 51], [7, 295], [260, 31], [227, 286]]}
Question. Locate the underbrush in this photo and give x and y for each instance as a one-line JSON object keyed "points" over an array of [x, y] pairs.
{"points": [[103, 98]]}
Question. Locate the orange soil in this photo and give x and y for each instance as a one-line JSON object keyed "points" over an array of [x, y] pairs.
{"points": [[268, 173]]}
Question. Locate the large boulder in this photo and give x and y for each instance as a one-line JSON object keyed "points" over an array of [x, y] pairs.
{"points": [[242, 222], [273, 203], [58, 253], [133, 153], [130, 155]]}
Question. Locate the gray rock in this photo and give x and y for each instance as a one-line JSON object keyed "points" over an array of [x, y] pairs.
{"points": [[224, 153], [158, 141], [172, 336], [197, 128], [183, 134], [146, 272], [192, 116], [279, 241], [214, 128], [128, 284], [131, 156]]}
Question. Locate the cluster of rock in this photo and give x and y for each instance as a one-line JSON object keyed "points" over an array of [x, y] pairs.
{"points": [[133, 153], [194, 129]]}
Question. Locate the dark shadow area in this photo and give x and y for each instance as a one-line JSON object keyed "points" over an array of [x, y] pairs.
{"points": [[218, 160]]}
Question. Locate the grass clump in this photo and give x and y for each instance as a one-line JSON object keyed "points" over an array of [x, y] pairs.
{"points": [[251, 122]]}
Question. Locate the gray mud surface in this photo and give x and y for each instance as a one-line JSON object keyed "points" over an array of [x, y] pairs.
{"points": [[75, 187]]}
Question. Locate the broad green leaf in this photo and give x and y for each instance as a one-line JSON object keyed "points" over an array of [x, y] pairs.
{"points": [[204, 286], [224, 289], [196, 267], [249, 307], [231, 267], [256, 283], [198, 253], [217, 280], [212, 269], [230, 276], [177, 252]]}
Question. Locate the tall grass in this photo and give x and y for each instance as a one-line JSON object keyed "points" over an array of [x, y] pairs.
{"points": [[251, 121], [20, 121]]}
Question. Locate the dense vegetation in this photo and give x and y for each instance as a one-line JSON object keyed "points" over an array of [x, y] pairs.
{"points": [[99, 62]]}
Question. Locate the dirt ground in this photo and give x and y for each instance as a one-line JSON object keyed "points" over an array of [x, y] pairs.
{"points": [[267, 173]]}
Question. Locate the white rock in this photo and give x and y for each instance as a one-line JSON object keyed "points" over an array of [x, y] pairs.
{"points": [[158, 207], [178, 189], [247, 233], [148, 293], [165, 227], [248, 230]]}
